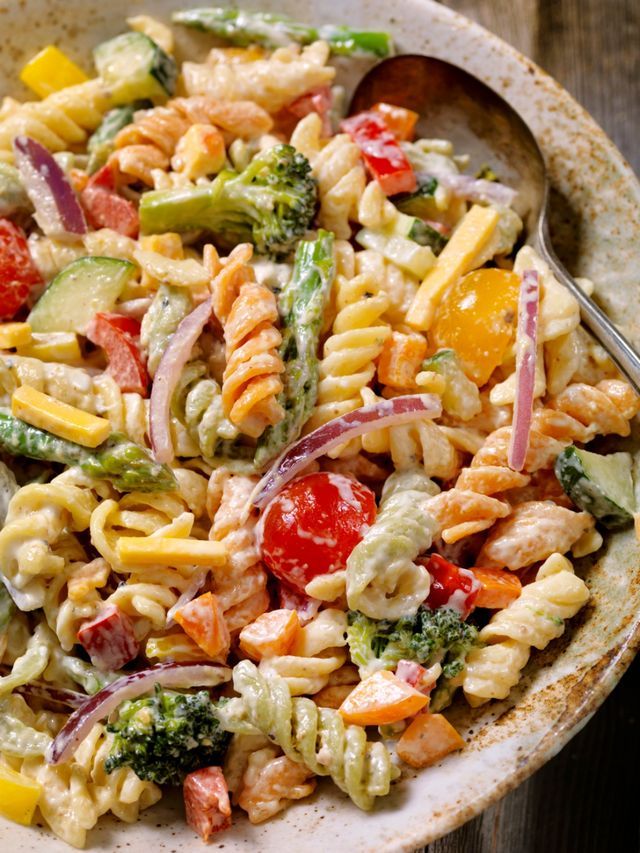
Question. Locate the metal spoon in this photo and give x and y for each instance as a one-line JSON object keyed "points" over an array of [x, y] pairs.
{"points": [[457, 106]]}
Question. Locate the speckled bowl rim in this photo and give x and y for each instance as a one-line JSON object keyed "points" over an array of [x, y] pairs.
{"points": [[590, 690]]}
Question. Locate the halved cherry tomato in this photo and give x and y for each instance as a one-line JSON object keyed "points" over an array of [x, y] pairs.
{"points": [[18, 273], [451, 586], [384, 157], [115, 334], [498, 588], [105, 208], [313, 524], [400, 121]]}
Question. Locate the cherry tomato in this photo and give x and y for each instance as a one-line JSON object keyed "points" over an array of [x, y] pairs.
{"points": [[313, 524], [105, 208], [18, 273], [451, 586]]}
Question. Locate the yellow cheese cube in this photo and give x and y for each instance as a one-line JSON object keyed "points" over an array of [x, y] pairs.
{"points": [[468, 240], [52, 346], [14, 335], [150, 550], [42, 411], [177, 647], [19, 796], [51, 70]]}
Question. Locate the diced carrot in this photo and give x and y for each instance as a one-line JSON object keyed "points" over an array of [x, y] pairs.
{"points": [[427, 740], [400, 121], [271, 634], [401, 357], [499, 588], [203, 620], [381, 698]]}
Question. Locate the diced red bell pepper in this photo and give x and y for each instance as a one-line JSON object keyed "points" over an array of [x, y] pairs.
{"points": [[105, 208], [206, 801], [415, 675], [290, 598], [451, 586], [109, 639], [400, 121], [317, 100], [384, 157], [115, 334], [18, 273]]}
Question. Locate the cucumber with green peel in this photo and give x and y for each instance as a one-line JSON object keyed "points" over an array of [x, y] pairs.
{"points": [[133, 66], [401, 251], [419, 231], [599, 484], [13, 196], [82, 289], [421, 202], [460, 397], [100, 144]]}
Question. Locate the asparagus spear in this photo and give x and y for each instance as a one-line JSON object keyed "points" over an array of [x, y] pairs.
{"points": [[269, 30], [301, 308], [127, 465]]}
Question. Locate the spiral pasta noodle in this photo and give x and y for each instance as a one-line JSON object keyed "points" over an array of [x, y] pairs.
{"points": [[271, 783], [534, 619], [315, 737]]}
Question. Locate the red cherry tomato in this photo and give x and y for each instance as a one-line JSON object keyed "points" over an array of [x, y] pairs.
{"points": [[313, 524], [18, 273], [451, 586]]}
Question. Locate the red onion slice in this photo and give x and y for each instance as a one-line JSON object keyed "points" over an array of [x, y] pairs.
{"points": [[54, 698], [100, 705], [58, 211], [167, 376], [386, 413], [528, 311], [472, 189]]}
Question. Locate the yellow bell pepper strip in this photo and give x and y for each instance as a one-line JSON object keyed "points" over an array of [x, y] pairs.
{"points": [[18, 796], [50, 71], [47, 413]]}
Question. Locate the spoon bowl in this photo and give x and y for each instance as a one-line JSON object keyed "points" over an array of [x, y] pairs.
{"points": [[455, 105]]}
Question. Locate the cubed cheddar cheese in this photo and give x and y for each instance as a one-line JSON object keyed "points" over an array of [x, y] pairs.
{"points": [[45, 412], [52, 346], [50, 71], [14, 335], [177, 647], [19, 796], [273, 633], [380, 699], [151, 550], [467, 241], [427, 740]]}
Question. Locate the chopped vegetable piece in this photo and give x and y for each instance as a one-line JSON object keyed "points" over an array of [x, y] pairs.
{"points": [[318, 101], [313, 524], [271, 30], [133, 66], [149, 550], [526, 357], [384, 157], [206, 801], [126, 365], [53, 346], [467, 241], [14, 335], [599, 484], [404, 252], [271, 634], [83, 288], [498, 588], [100, 144], [380, 699], [105, 208], [109, 639], [417, 676], [421, 202], [203, 620], [427, 740], [477, 318], [451, 586], [47, 413], [400, 359], [18, 273], [400, 121], [50, 71], [19, 796], [460, 397], [14, 200]]}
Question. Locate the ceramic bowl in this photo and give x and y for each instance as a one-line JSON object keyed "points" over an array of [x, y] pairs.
{"points": [[596, 230]]}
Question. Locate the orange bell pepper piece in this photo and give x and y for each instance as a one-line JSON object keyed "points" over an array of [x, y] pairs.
{"points": [[400, 359], [427, 740], [273, 633], [499, 588], [400, 121], [380, 699], [202, 619]]}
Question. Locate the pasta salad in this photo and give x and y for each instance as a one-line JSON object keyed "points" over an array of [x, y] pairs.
{"points": [[295, 432]]}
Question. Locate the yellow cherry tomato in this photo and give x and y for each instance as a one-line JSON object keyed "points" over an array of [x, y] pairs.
{"points": [[478, 318]]}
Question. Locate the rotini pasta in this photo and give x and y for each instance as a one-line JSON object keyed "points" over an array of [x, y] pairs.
{"points": [[271, 783]]}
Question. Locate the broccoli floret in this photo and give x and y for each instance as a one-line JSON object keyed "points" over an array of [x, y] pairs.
{"points": [[431, 636], [166, 736], [270, 204]]}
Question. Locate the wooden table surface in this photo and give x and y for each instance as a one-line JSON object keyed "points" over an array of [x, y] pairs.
{"points": [[586, 799]]}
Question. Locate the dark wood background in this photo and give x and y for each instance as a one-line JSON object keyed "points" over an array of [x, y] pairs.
{"points": [[586, 800]]}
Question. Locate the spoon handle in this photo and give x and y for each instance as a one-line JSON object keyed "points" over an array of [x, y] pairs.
{"points": [[594, 318]]}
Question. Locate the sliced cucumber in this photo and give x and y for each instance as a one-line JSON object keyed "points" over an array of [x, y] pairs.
{"points": [[13, 196], [421, 202], [401, 251], [461, 397], [133, 66], [101, 143], [420, 232], [600, 485], [76, 294]]}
